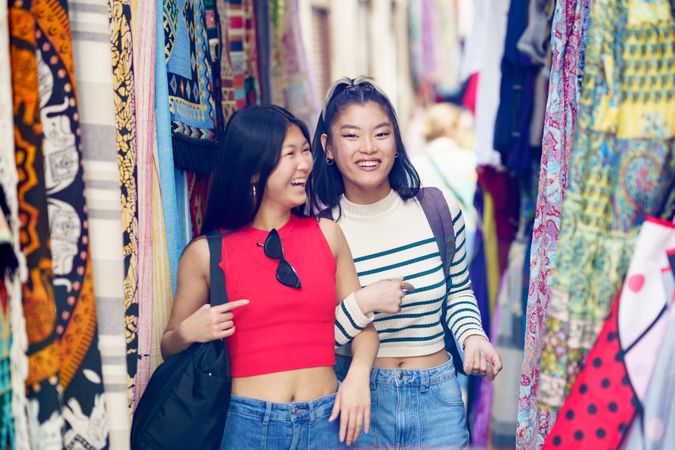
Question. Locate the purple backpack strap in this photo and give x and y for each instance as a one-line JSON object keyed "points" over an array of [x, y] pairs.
{"points": [[438, 215]]}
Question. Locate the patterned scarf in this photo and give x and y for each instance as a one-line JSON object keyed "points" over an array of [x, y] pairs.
{"points": [[192, 98], [76, 329], [124, 113], [622, 165], [39, 306], [144, 27], [567, 53], [97, 102]]}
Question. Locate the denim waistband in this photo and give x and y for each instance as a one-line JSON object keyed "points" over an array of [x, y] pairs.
{"points": [[285, 412], [422, 378]]}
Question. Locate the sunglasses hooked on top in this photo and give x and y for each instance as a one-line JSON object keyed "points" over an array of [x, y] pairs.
{"points": [[286, 274]]}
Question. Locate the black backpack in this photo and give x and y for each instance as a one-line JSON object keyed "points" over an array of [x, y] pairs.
{"points": [[440, 220], [186, 400]]}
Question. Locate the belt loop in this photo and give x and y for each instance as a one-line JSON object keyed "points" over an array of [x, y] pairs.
{"points": [[268, 413], [425, 380], [373, 378], [311, 411]]}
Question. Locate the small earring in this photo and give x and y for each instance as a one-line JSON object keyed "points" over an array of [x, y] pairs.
{"points": [[253, 189], [396, 155], [330, 161]]}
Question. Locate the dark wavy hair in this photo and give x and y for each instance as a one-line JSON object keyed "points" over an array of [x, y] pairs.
{"points": [[251, 147], [326, 185]]}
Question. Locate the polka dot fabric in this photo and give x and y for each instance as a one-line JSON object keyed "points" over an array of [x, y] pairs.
{"points": [[602, 403]]}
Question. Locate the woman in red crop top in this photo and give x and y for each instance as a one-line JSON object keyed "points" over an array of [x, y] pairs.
{"points": [[284, 275]]}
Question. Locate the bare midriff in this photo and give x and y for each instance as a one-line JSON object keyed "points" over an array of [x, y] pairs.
{"points": [[413, 362], [299, 385]]}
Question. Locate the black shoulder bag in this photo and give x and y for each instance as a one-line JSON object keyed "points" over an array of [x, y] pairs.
{"points": [[186, 400]]}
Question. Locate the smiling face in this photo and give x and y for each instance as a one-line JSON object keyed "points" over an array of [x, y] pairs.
{"points": [[363, 146], [285, 187]]}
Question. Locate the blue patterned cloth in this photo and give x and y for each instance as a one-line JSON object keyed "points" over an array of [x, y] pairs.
{"points": [[192, 93]]}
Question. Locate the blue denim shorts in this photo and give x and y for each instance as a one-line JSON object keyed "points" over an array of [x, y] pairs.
{"points": [[413, 408], [257, 424]]}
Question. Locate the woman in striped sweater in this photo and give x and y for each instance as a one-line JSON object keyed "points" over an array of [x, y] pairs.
{"points": [[364, 177]]}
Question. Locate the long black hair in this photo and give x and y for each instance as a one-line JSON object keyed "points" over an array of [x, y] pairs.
{"points": [[251, 150], [326, 186]]}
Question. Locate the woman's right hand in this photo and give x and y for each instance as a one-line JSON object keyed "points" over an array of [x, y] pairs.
{"points": [[384, 296], [209, 323]]}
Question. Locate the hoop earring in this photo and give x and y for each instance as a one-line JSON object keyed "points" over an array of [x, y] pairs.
{"points": [[396, 155], [330, 161]]}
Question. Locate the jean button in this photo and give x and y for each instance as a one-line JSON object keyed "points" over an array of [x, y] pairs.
{"points": [[400, 376]]}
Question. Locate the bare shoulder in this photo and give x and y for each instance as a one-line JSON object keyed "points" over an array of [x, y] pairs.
{"points": [[333, 234], [195, 257]]}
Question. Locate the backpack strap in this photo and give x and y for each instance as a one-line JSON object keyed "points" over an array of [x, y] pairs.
{"points": [[218, 292], [438, 215], [440, 220]]}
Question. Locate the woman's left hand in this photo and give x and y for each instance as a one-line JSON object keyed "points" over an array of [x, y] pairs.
{"points": [[481, 358], [352, 404]]}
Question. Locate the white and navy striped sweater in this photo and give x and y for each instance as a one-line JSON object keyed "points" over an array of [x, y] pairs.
{"points": [[392, 238]]}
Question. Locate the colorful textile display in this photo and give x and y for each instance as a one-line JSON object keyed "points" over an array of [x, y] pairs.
{"points": [[144, 27], [560, 120], [39, 306], [227, 102], [123, 84], [194, 125], [516, 96], [652, 431], [162, 299], [198, 188], [167, 173], [99, 105], [483, 54], [621, 167], [76, 328], [13, 342], [291, 86], [610, 390], [243, 51]]}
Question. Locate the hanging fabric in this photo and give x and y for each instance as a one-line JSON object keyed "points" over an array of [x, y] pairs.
{"points": [[99, 105], [76, 328], [291, 86], [227, 99], [124, 114], [516, 96], [610, 390], [261, 9], [566, 69], [39, 306], [447, 46], [143, 29], [192, 98], [621, 163], [13, 343], [170, 192]]}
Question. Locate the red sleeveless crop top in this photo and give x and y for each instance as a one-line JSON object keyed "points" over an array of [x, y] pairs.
{"points": [[282, 328]]}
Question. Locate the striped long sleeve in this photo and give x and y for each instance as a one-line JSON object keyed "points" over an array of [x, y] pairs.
{"points": [[349, 320], [462, 313]]}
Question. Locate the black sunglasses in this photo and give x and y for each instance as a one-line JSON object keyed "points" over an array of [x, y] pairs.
{"points": [[286, 274]]}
